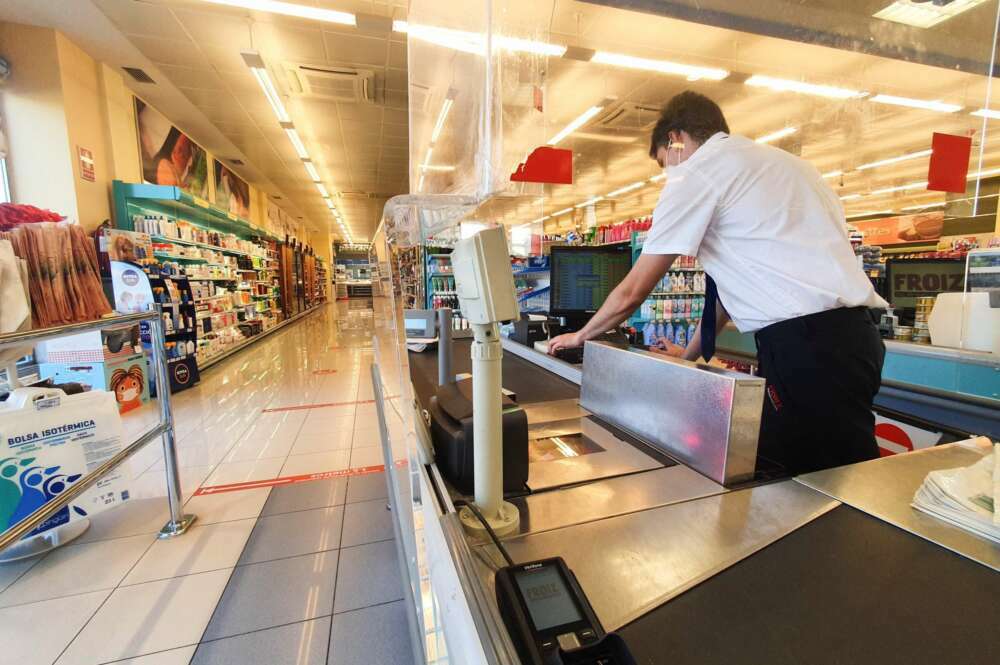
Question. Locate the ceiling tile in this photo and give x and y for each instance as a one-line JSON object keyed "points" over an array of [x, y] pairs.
{"points": [[170, 51], [225, 29], [187, 77], [395, 79], [355, 49], [286, 43], [397, 55], [140, 18]]}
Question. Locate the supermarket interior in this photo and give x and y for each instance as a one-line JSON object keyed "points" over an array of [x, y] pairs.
{"points": [[496, 332]]}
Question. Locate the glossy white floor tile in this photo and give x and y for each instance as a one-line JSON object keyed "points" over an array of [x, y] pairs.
{"points": [[229, 473], [145, 618], [36, 634], [203, 548], [227, 506], [334, 460], [363, 457], [319, 442], [77, 568], [180, 656]]}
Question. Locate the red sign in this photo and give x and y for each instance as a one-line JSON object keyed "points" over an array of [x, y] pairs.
{"points": [[86, 164], [949, 165], [924, 226], [546, 164]]}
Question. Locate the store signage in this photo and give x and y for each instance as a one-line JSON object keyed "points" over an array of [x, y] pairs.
{"points": [[948, 170], [894, 437], [546, 164], [904, 228], [86, 158]]}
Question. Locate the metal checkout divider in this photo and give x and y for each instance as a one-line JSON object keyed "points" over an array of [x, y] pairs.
{"points": [[10, 547]]}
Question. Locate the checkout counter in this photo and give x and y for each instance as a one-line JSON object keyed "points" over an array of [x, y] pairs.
{"points": [[688, 556]]}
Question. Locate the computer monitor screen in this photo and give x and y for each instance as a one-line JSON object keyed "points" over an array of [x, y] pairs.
{"points": [[909, 279], [582, 278]]}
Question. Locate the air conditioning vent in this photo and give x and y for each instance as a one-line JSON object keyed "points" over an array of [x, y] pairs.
{"points": [[138, 75], [629, 117], [235, 162], [337, 84]]}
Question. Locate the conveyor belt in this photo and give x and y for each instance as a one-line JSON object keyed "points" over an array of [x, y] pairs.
{"points": [[530, 382], [845, 589]]}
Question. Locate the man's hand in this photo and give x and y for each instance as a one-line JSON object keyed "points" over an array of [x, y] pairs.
{"points": [[567, 341], [667, 348]]}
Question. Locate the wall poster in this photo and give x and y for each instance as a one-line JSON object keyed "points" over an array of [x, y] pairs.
{"points": [[232, 193], [169, 156]]}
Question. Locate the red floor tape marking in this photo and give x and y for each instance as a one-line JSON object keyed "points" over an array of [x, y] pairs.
{"points": [[321, 405], [324, 371], [291, 480]]}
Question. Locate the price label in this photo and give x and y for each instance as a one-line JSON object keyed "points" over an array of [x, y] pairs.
{"points": [[200, 201]]}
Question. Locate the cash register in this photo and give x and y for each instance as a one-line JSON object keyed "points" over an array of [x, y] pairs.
{"points": [[581, 280]]}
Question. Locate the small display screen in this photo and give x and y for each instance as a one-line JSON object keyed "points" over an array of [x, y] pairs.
{"points": [[415, 325], [549, 601]]}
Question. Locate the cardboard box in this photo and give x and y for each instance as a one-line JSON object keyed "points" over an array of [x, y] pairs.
{"points": [[90, 347], [127, 378]]}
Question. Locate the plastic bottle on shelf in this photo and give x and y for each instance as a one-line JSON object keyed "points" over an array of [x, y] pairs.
{"points": [[680, 335], [692, 329], [668, 331], [649, 334]]}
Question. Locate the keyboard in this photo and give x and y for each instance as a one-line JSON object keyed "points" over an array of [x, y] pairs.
{"points": [[572, 356]]}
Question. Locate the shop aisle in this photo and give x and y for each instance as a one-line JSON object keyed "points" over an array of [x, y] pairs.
{"points": [[301, 573]]}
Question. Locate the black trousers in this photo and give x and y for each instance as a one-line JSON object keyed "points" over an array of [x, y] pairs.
{"points": [[822, 371]]}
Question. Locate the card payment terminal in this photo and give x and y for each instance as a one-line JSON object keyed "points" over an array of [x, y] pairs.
{"points": [[550, 620]]}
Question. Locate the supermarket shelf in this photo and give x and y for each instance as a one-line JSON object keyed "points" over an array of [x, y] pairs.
{"points": [[439, 256], [677, 293], [174, 257], [222, 356], [212, 279], [203, 245], [530, 271]]}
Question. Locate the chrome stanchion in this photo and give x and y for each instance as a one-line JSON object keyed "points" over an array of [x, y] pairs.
{"points": [[179, 522]]}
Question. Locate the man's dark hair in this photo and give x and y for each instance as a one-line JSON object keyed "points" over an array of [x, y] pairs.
{"points": [[689, 112]]}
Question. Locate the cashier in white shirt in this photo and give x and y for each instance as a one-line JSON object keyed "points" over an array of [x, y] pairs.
{"points": [[772, 237]]}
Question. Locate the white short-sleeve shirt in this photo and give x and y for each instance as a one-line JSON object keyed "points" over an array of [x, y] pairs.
{"points": [[766, 227]]}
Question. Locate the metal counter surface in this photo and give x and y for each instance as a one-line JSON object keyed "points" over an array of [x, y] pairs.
{"points": [[630, 564], [885, 487], [845, 589]]}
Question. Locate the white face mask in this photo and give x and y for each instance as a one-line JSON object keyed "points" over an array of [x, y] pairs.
{"points": [[130, 394]]}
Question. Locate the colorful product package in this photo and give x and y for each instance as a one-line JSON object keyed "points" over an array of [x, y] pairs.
{"points": [[48, 441]]}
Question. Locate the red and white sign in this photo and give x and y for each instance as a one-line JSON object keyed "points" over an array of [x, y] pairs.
{"points": [[87, 171], [894, 437]]}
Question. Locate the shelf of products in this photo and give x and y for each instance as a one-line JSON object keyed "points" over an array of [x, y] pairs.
{"points": [[238, 281], [532, 280], [440, 284], [675, 306]]}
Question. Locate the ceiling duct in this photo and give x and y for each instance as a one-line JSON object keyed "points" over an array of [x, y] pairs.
{"points": [[138, 75], [335, 84], [629, 117]]}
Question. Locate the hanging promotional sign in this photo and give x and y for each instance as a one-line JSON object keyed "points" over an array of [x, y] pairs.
{"points": [[926, 226]]}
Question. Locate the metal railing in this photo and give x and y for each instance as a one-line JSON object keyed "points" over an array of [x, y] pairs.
{"points": [[179, 522]]}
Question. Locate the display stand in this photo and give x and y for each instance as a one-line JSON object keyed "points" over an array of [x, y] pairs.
{"points": [[11, 545]]}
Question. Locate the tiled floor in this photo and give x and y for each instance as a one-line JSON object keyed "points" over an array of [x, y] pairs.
{"points": [[298, 574]]}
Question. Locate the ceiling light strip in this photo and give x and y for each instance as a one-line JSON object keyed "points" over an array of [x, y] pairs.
{"points": [[774, 136], [442, 116], [923, 104], [987, 113], [788, 85], [589, 202], [626, 188], [691, 72], [291, 9], [833, 174], [900, 188], [311, 170], [562, 212], [300, 148], [576, 124], [895, 160]]}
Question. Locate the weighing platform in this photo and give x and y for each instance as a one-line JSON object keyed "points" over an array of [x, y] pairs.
{"points": [[831, 567]]}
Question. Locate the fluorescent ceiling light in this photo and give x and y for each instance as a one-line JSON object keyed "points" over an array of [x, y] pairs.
{"points": [[658, 177], [290, 9], [987, 113], [420, 184], [894, 160], [627, 188], [474, 42], [926, 105], [311, 170], [900, 188], [607, 138], [562, 212], [540, 219], [788, 85], [589, 202], [691, 72], [774, 136], [924, 206], [430, 155], [300, 148], [924, 14], [850, 197], [437, 167], [833, 174], [259, 70], [983, 174], [575, 124], [332, 206], [322, 190], [442, 116]]}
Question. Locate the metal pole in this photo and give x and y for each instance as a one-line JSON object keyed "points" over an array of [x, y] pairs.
{"points": [[445, 373], [179, 522]]}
